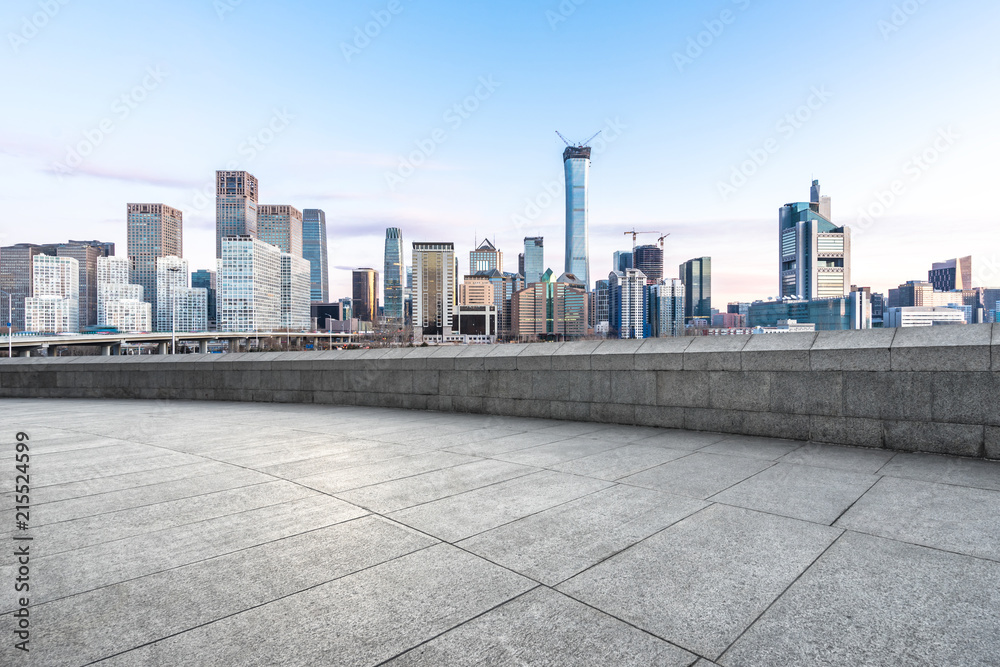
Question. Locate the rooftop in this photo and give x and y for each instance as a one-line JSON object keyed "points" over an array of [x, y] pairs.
{"points": [[239, 533]]}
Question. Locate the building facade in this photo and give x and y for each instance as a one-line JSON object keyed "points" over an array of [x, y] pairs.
{"points": [[54, 306], [627, 304], [86, 256], [189, 306], [485, 258], [815, 254], [923, 316], [576, 161], [17, 271], [666, 308], [154, 231], [295, 292], [394, 276], [549, 310], [365, 294], [235, 206], [281, 226], [314, 249], [953, 274], [249, 285], [171, 275], [696, 274], [649, 260], [534, 259], [434, 290], [476, 291], [128, 315], [208, 281]]}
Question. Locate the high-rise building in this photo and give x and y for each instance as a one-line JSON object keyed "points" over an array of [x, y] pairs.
{"points": [[235, 206], [485, 258], [504, 287], [365, 283], [649, 260], [54, 306], [433, 290], [739, 308], [627, 303], [113, 274], [154, 230], [249, 285], [549, 310], [207, 280], [576, 160], [952, 274], [476, 291], [696, 274], [104, 248], [108, 296], [314, 249], [127, 315], [113, 270], [281, 226], [189, 309], [815, 254], [394, 275], [171, 276], [666, 308], [86, 256], [622, 260], [534, 259], [601, 315], [295, 292], [17, 272]]}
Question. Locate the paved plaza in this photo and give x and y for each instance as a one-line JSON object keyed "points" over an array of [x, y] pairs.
{"points": [[201, 533]]}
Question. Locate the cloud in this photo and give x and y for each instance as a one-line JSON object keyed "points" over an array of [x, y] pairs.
{"points": [[127, 176]]}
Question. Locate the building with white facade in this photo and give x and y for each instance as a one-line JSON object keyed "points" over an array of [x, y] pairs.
{"points": [[435, 291], [109, 293], [923, 316], [171, 274], [54, 306], [128, 315], [249, 281], [627, 303], [189, 307], [666, 308], [295, 292]]}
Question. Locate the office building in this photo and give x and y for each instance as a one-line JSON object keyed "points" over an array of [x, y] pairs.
{"points": [[281, 226], [815, 254], [622, 260], [476, 291], [365, 294], [576, 160], [434, 291], [86, 256], [207, 280], [923, 316], [696, 274], [54, 306], [666, 309], [394, 276], [550, 310], [728, 321], [104, 248], [249, 285], [474, 325], [189, 310], [627, 305], [154, 231], [485, 258], [504, 287], [108, 296], [314, 249], [649, 260], [954, 274], [235, 206], [295, 292], [851, 311], [534, 259], [17, 272], [112, 270], [128, 315], [739, 308], [601, 302], [171, 275]]}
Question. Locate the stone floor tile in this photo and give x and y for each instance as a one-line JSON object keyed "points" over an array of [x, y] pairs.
{"points": [[698, 475]]}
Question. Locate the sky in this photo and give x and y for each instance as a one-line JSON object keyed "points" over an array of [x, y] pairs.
{"points": [[441, 118]]}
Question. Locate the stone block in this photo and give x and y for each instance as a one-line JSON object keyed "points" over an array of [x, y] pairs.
{"points": [[865, 393], [508, 384], [574, 356], [662, 354], [569, 410], [777, 425], [785, 352], [935, 438], [437, 358], [853, 431], [536, 356], [739, 390], [715, 353], [502, 357], [425, 383], [659, 416], [612, 413], [807, 393], [719, 421], [954, 348], [548, 385], [461, 403], [472, 358], [632, 388], [965, 398], [861, 350], [993, 442], [615, 355]]}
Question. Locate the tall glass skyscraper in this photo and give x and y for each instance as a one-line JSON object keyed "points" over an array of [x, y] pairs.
{"points": [[815, 254], [576, 160], [314, 249], [235, 206], [365, 299], [696, 274], [649, 260], [621, 261], [154, 231], [395, 274], [534, 259]]}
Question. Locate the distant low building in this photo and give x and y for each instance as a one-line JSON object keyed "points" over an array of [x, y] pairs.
{"points": [[923, 316]]}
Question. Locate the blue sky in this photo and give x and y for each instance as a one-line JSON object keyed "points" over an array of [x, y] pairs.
{"points": [[159, 95]]}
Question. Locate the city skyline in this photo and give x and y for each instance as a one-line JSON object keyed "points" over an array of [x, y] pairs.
{"points": [[671, 135]]}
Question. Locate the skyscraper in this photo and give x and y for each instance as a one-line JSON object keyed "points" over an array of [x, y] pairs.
{"points": [[365, 282], [952, 274], [815, 254], [54, 306], [485, 258], [281, 226], [433, 290], [534, 259], [622, 260], [576, 160], [154, 230], [549, 310], [314, 249], [207, 280], [235, 206], [666, 308], [627, 303], [295, 291], [696, 274], [394, 275], [86, 256], [171, 276], [649, 260], [249, 285], [17, 271]]}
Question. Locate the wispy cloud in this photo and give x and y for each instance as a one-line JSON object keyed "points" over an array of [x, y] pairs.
{"points": [[129, 176]]}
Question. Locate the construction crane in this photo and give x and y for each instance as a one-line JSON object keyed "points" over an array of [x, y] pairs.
{"points": [[660, 240], [581, 145], [635, 236]]}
